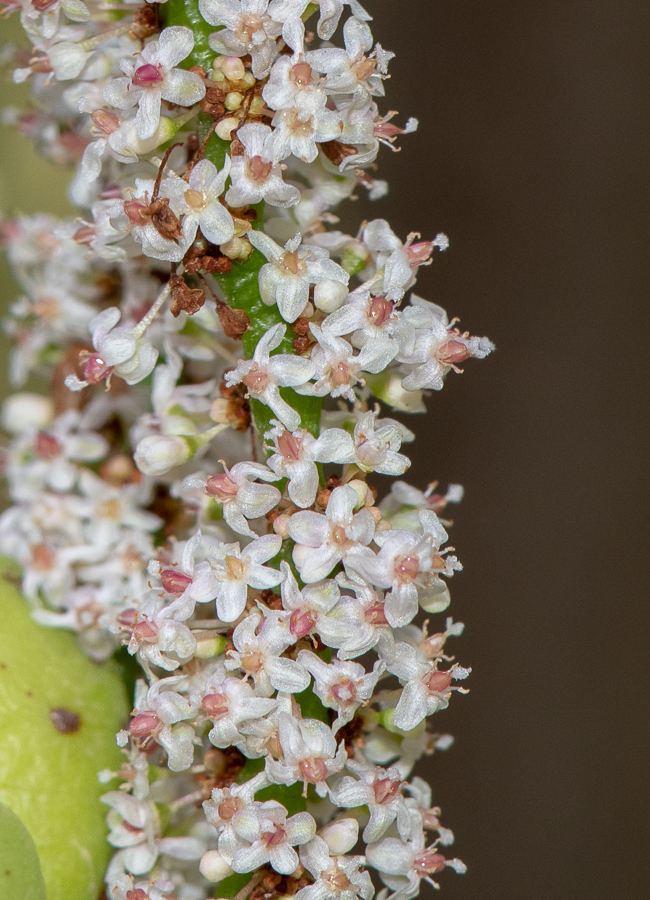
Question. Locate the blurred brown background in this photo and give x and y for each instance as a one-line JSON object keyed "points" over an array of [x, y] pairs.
{"points": [[533, 155]]}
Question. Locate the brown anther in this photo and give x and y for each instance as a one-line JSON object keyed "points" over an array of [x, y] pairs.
{"points": [[198, 70], [301, 326], [236, 147], [323, 498], [212, 103], [185, 298], [336, 152]]}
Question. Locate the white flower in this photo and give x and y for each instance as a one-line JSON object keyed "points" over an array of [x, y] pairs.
{"points": [[153, 77], [222, 806], [431, 347], [365, 317], [359, 623], [198, 198], [249, 27], [291, 75], [258, 647], [299, 129], [410, 564], [256, 175], [296, 456], [307, 607], [375, 448], [337, 878], [159, 636], [286, 278], [241, 497], [381, 791], [135, 830], [419, 804], [162, 714], [228, 702], [228, 573], [402, 864], [271, 836], [343, 686], [426, 691], [119, 350], [350, 71], [321, 541], [309, 754], [338, 369], [264, 375]]}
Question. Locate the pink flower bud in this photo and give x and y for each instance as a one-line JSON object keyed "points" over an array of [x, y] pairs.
{"points": [[174, 582], [146, 76], [47, 446], [144, 724]]}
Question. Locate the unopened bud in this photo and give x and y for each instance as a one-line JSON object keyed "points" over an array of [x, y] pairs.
{"points": [[24, 411], [361, 490], [225, 127], [280, 526], [233, 68], [387, 387], [233, 101], [159, 453], [214, 867], [329, 295], [436, 599], [208, 648], [341, 836]]}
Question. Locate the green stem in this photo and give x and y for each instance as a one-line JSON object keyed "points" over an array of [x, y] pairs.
{"points": [[240, 285]]}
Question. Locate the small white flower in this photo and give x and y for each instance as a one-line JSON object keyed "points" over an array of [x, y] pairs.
{"points": [[264, 375], [259, 644], [402, 864], [338, 878], [162, 714], [321, 541], [198, 198], [119, 350], [222, 806], [271, 836], [286, 278], [410, 564], [338, 369], [308, 607], [228, 702], [249, 27], [309, 754], [296, 456], [375, 448], [241, 497], [256, 175], [228, 573], [343, 686], [381, 791], [153, 77]]}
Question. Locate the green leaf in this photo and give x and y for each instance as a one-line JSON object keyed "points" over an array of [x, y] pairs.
{"points": [[21, 877]]}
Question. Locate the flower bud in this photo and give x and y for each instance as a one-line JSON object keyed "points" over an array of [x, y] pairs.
{"points": [[24, 411], [387, 387], [329, 295], [233, 68], [226, 126], [159, 453], [436, 601], [210, 647], [341, 836], [214, 867], [361, 490]]}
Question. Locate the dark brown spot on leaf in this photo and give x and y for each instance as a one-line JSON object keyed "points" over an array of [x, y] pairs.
{"points": [[64, 720]]}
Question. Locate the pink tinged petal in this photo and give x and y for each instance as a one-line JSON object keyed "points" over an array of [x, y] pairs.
{"points": [[412, 706], [148, 114]]}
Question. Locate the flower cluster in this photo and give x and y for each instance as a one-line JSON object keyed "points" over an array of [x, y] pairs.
{"points": [[196, 489]]}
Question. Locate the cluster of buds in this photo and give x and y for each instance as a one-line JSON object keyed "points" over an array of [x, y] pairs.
{"points": [[196, 489]]}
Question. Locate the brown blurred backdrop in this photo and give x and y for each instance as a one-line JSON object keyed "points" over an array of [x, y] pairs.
{"points": [[533, 155]]}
